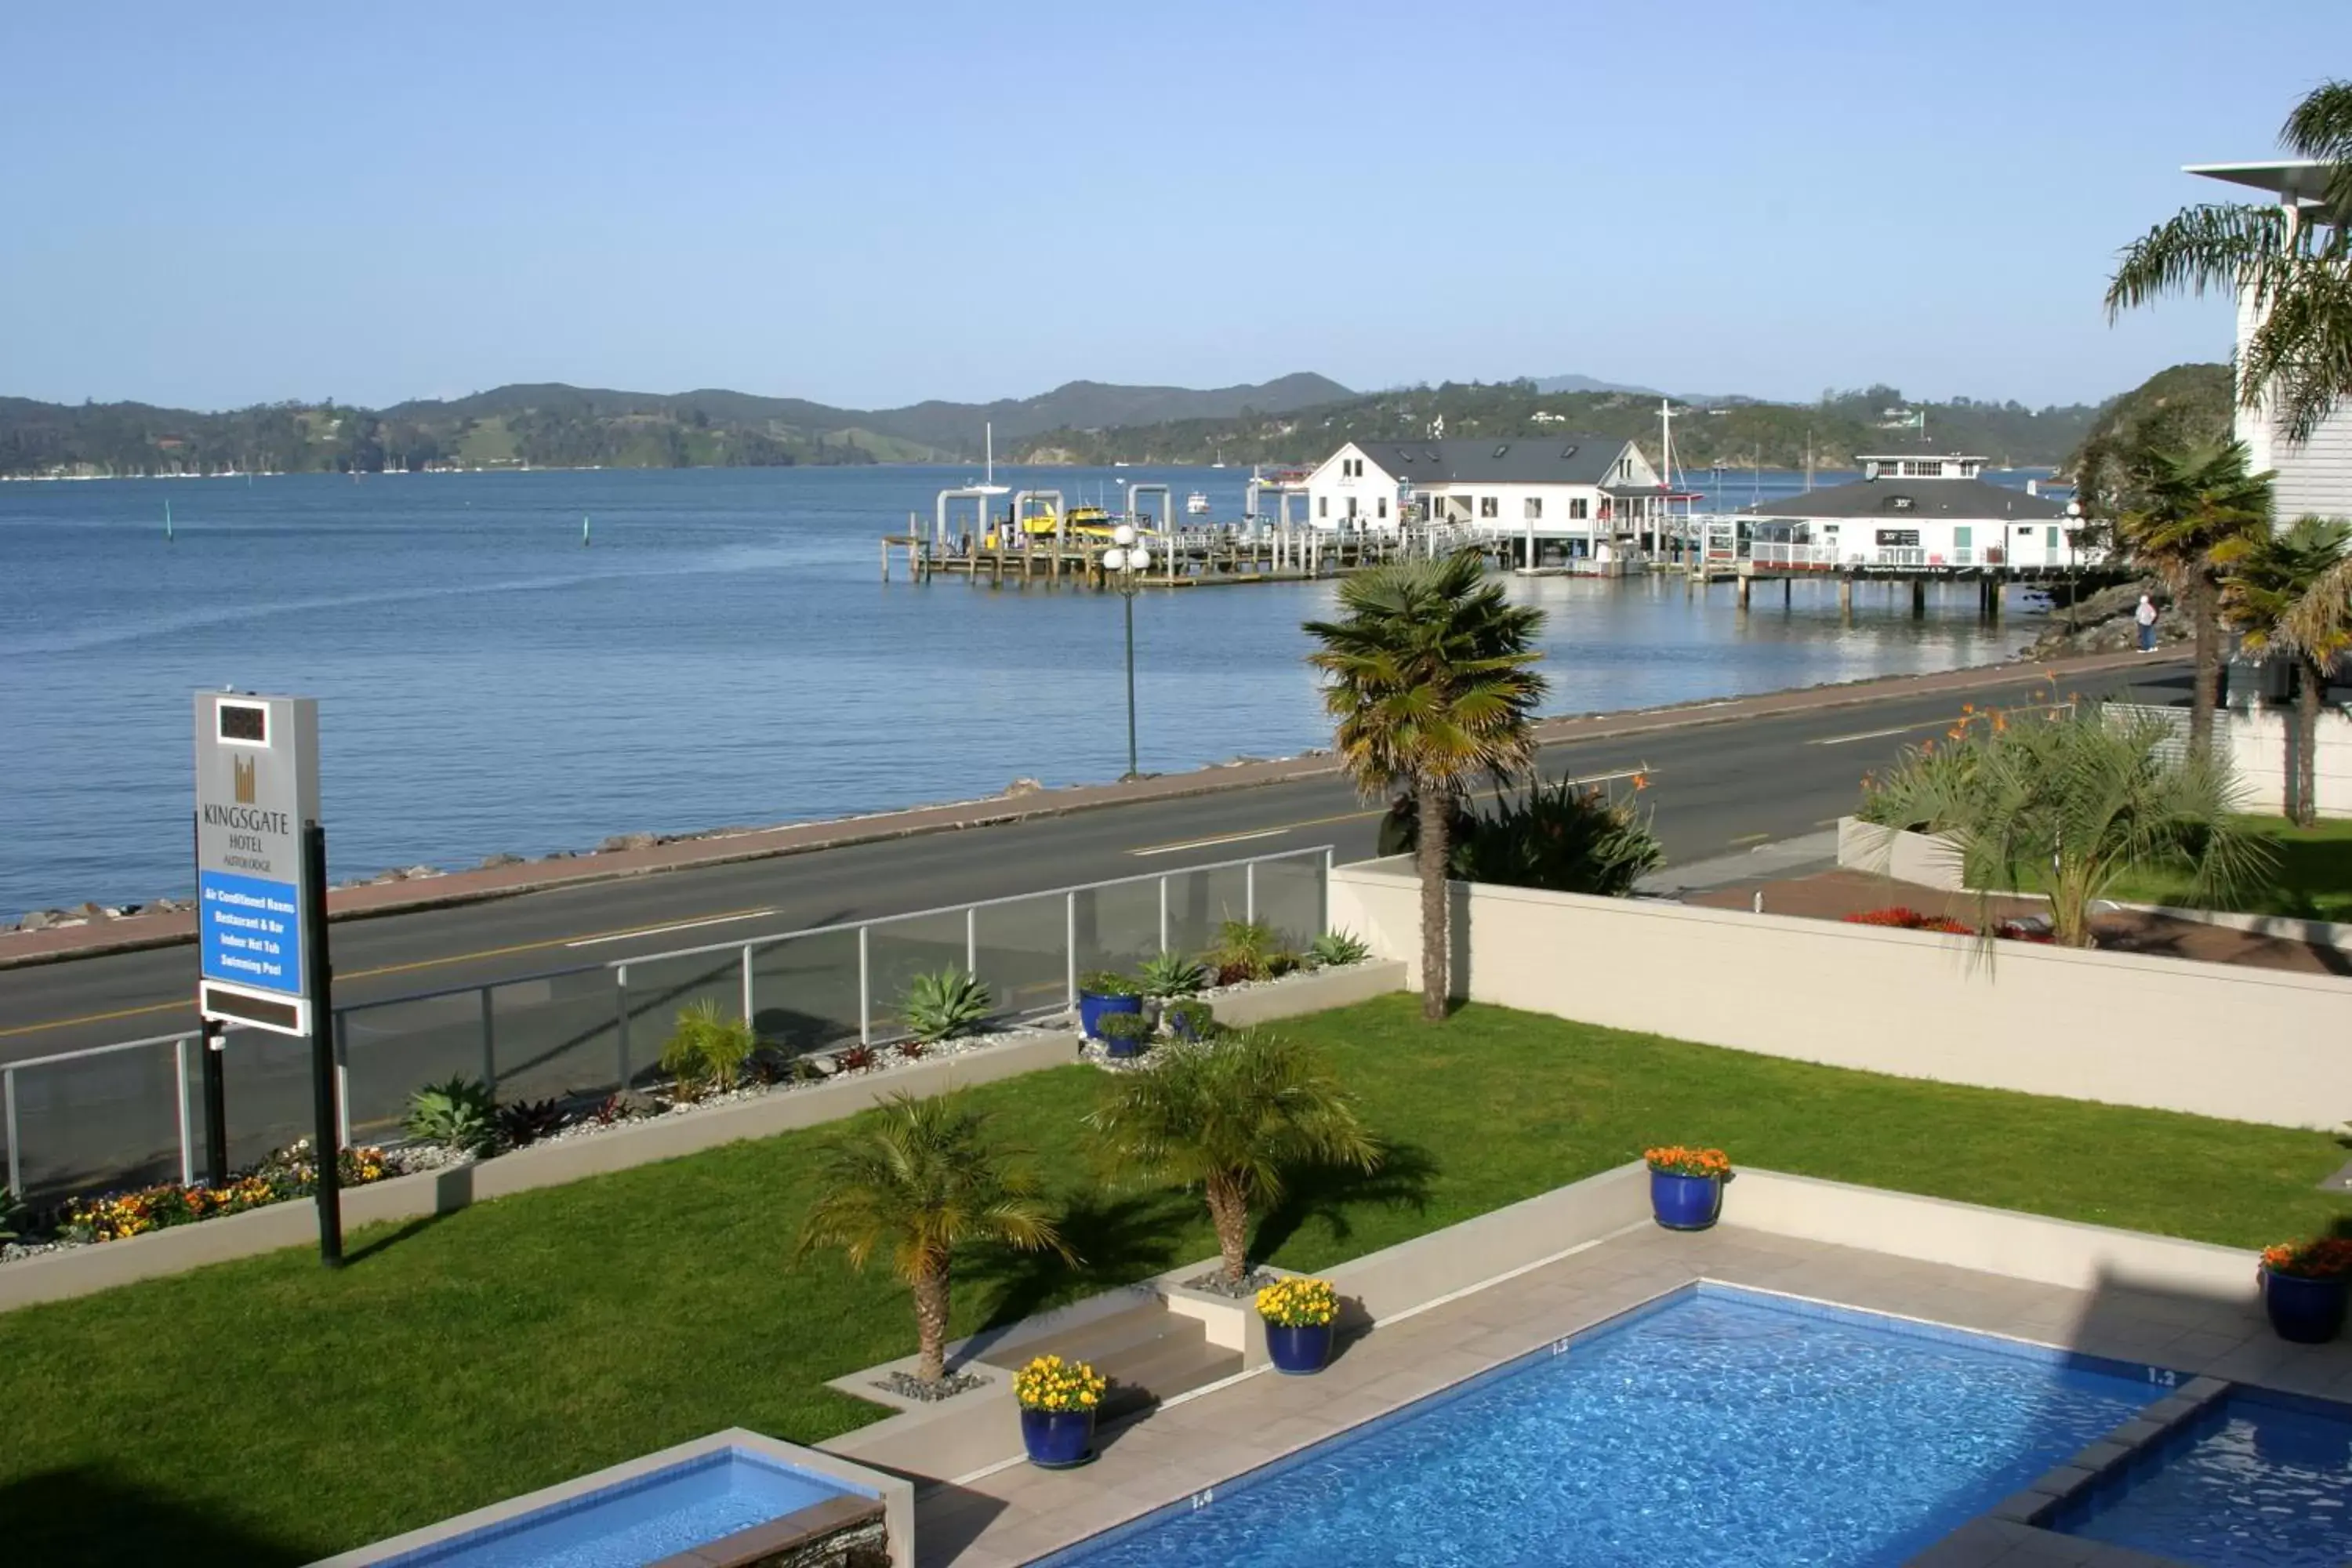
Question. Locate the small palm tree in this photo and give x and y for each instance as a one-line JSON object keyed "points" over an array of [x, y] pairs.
{"points": [[2199, 507], [2292, 267], [1230, 1117], [2067, 804], [2291, 594], [1432, 681], [921, 1178]]}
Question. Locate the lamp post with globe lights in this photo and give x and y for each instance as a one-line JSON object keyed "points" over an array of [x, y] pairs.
{"points": [[1125, 562], [2074, 544]]}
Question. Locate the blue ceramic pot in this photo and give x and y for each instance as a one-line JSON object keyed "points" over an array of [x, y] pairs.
{"points": [[1298, 1351], [1094, 1008], [1685, 1203], [2305, 1312], [1057, 1439]]}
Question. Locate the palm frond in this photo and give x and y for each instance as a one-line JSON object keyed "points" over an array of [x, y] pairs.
{"points": [[2198, 250], [2321, 127]]}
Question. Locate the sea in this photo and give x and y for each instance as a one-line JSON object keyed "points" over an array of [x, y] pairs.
{"points": [[723, 652]]}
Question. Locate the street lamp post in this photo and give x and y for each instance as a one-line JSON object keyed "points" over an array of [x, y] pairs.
{"points": [[1125, 563], [2073, 576]]}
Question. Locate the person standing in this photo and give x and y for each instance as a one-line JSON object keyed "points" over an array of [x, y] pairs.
{"points": [[2146, 617]]}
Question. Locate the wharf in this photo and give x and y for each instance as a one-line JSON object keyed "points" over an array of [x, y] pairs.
{"points": [[1189, 558]]}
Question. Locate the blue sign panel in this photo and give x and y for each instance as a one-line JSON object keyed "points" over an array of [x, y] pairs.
{"points": [[249, 932]]}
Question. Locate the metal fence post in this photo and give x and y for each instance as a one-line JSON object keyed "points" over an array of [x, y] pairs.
{"points": [[1164, 914], [750, 1012], [865, 991], [8, 1115], [343, 1081], [1327, 888], [971, 940], [621, 1023], [187, 1148], [1069, 945], [1249, 891], [490, 1042]]}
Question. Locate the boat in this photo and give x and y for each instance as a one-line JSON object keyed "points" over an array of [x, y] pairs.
{"points": [[1196, 504]]}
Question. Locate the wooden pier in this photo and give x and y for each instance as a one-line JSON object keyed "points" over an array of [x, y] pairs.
{"points": [[1190, 558]]}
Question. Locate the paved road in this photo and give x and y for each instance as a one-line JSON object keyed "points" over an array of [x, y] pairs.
{"points": [[1714, 789]]}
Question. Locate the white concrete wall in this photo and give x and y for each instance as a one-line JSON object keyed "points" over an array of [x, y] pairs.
{"points": [[2257, 751], [2251, 1044], [1920, 859], [1329, 490]]}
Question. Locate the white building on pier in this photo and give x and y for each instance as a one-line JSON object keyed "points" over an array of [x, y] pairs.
{"points": [[1915, 508], [1561, 496]]}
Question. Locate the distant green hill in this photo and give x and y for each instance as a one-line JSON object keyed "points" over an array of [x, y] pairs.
{"points": [[1733, 433], [555, 426]]}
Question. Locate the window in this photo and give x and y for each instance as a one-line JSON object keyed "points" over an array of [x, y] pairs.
{"points": [[1351, 509], [1933, 470], [1322, 505], [1534, 508], [1579, 507], [1963, 536], [1351, 467], [1490, 506], [2051, 542], [1384, 508]]}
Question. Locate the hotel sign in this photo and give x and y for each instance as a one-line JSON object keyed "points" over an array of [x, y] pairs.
{"points": [[257, 790]]}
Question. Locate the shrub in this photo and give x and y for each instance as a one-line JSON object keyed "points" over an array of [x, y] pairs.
{"points": [[529, 1120], [708, 1046], [622, 1105], [1110, 983], [1167, 976], [460, 1114], [1900, 918], [12, 1215], [1564, 838], [912, 1050], [944, 1006], [1245, 950], [1118, 1028], [1191, 1019], [1335, 948], [854, 1059]]}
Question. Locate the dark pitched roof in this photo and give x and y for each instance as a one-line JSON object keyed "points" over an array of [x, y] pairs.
{"points": [[1572, 459], [1910, 443], [1957, 501]]}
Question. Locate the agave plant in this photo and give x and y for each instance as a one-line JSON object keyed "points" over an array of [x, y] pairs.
{"points": [[1167, 976], [709, 1047], [942, 1006], [1334, 948], [461, 1114], [529, 1120]]}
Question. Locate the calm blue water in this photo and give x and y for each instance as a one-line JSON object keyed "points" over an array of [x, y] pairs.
{"points": [[2256, 1483], [1721, 1429], [725, 654], [649, 1521]]}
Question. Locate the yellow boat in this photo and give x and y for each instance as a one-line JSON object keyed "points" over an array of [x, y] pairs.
{"points": [[1082, 524]]}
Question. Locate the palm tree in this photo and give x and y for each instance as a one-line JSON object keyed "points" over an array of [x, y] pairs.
{"points": [[1431, 681], [2291, 594], [922, 1178], [2067, 803], [2291, 266], [2198, 506], [1230, 1116]]}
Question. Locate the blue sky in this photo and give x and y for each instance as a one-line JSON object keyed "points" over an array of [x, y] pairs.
{"points": [[869, 204]]}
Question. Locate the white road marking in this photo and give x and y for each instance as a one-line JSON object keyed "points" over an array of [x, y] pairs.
{"points": [[664, 931], [1210, 843], [1882, 734]]}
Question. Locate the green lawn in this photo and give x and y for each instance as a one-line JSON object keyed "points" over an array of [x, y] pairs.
{"points": [[265, 1412], [2312, 879]]}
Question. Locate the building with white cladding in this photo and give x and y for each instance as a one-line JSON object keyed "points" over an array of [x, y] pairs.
{"points": [[1557, 497], [2314, 476]]}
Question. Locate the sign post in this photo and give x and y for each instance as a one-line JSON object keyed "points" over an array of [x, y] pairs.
{"points": [[261, 898]]}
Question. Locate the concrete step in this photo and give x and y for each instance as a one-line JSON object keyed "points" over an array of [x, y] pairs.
{"points": [[1148, 1353]]}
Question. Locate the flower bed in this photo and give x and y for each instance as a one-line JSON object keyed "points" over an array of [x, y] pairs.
{"points": [[287, 1174], [1901, 918]]}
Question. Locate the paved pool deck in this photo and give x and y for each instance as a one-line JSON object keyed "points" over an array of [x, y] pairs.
{"points": [[1017, 1514]]}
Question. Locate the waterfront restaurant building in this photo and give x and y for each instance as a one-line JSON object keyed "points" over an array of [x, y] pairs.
{"points": [[1559, 498], [1915, 509], [2314, 477]]}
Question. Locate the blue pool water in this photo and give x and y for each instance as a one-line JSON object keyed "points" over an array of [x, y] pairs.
{"points": [[1718, 1428], [2258, 1481], [638, 1522]]}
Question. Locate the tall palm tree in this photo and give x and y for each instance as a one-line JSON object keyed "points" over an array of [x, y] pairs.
{"points": [[1432, 681], [2291, 594], [1230, 1117], [2294, 267], [2068, 803], [921, 1177], [2198, 505]]}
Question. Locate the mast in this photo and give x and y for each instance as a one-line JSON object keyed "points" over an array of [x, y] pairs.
{"points": [[583, 530], [1666, 469], [1809, 462], [990, 429], [167, 520]]}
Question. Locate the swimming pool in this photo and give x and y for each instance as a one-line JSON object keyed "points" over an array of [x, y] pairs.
{"points": [[637, 1522], [1715, 1425], [2258, 1481]]}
